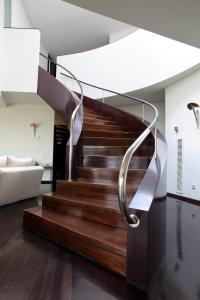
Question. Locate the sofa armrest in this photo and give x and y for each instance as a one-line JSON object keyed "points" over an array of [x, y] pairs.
{"points": [[18, 183]]}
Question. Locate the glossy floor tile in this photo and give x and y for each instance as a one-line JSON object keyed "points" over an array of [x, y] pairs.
{"points": [[33, 268]]}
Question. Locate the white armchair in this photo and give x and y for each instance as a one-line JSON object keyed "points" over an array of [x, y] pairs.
{"points": [[19, 183]]}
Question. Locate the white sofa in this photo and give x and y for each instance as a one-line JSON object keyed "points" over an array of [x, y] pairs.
{"points": [[19, 179]]}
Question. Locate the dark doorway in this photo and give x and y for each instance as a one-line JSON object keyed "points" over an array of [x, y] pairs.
{"points": [[51, 67], [61, 136]]}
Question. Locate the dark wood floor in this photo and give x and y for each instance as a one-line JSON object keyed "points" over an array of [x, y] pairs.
{"points": [[33, 268]]}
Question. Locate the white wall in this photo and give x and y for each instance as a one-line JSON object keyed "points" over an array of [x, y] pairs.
{"points": [[1, 13], [1, 44], [148, 113], [43, 61], [16, 134], [20, 59], [19, 17], [139, 60], [178, 96]]}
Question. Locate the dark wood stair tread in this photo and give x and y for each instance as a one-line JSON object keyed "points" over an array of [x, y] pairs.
{"points": [[118, 156], [107, 133], [101, 185], [107, 141], [86, 183], [95, 116], [107, 127], [106, 205], [109, 175], [81, 185], [89, 119], [114, 150], [112, 162], [96, 169], [91, 209], [92, 190], [101, 235]]}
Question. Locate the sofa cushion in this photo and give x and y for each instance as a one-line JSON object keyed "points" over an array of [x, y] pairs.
{"points": [[20, 162], [3, 161]]}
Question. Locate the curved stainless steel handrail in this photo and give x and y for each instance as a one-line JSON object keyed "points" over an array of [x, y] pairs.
{"points": [[132, 219], [73, 116]]}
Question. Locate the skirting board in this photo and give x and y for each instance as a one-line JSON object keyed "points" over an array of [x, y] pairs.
{"points": [[183, 198]]}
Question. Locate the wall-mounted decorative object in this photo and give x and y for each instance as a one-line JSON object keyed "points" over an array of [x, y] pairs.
{"points": [[35, 126], [195, 108], [176, 129]]}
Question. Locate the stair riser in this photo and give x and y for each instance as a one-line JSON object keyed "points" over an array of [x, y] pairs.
{"points": [[79, 210], [115, 151], [107, 141], [91, 192], [98, 121], [104, 127], [110, 134], [110, 176], [93, 116], [112, 163], [77, 243]]}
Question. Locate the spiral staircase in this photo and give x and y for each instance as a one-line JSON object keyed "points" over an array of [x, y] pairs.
{"points": [[111, 206]]}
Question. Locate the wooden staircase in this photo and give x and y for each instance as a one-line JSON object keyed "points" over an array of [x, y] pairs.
{"points": [[83, 215]]}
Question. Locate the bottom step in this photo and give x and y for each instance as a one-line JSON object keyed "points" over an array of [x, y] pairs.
{"points": [[100, 243]]}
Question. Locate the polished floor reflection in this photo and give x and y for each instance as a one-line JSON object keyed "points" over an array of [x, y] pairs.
{"points": [[179, 277], [33, 268]]}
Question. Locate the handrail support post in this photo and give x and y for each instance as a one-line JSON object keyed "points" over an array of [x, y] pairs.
{"points": [[143, 113]]}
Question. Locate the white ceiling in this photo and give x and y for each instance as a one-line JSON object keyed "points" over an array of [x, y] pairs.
{"points": [[177, 19], [140, 60], [68, 29], [19, 98], [154, 93]]}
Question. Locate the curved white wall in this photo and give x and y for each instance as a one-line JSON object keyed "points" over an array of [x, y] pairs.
{"points": [[134, 62]]}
